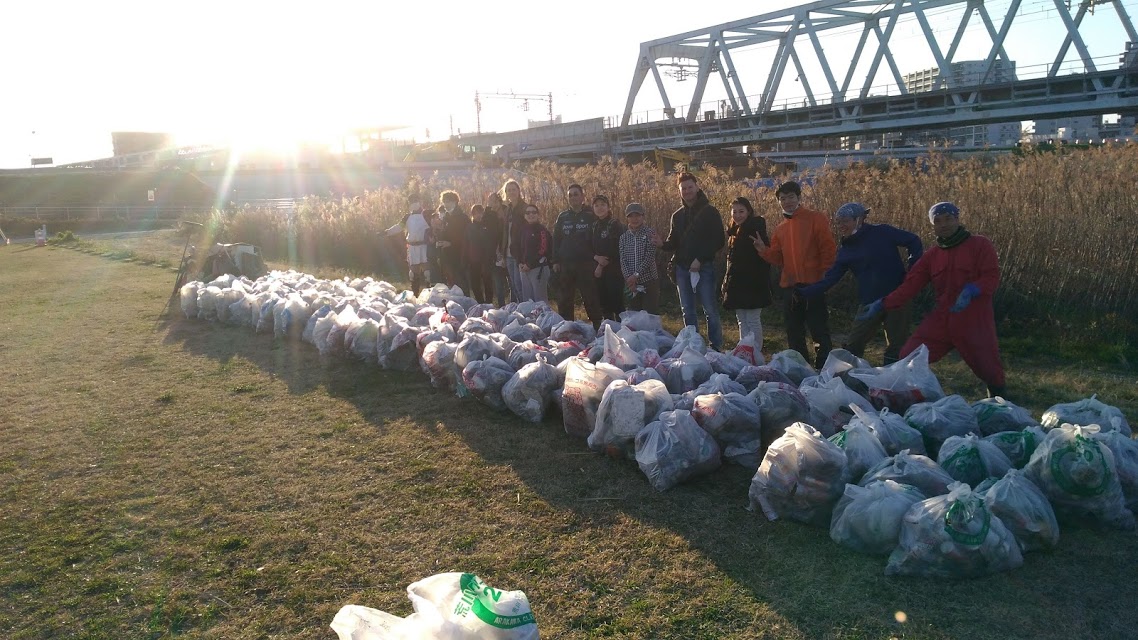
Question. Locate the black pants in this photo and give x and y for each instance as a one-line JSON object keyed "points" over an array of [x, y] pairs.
{"points": [[610, 291], [481, 281], [803, 314], [576, 276]]}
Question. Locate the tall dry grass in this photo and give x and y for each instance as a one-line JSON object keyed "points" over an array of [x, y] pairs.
{"points": [[1064, 224]]}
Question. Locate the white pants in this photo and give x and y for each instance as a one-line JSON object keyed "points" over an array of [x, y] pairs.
{"points": [[750, 322]]}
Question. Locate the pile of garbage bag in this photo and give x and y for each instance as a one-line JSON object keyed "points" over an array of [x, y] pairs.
{"points": [[634, 391]]}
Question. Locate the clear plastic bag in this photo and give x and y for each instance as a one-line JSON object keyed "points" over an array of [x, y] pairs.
{"points": [[404, 351], [638, 341], [863, 449], [685, 372], [573, 331], [1024, 510], [188, 298], [793, 365], [477, 325], [625, 410], [438, 363], [522, 332], [970, 460], [725, 363], [688, 338], [733, 420], [363, 341], [749, 351], [1125, 452], [529, 392], [891, 430], [868, 519], [1079, 475], [903, 383], [996, 415], [831, 399], [618, 353], [674, 449], [640, 321], [448, 606], [1018, 445], [636, 376], [801, 477], [780, 405], [750, 377], [1087, 411], [585, 385], [953, 536], [941, 419], [484, 380], [907, 468]]}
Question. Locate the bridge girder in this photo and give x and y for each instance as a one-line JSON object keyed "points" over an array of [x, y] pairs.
{"points": [[710, 48]]}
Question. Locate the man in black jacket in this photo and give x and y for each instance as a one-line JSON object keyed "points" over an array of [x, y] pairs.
{"points": [[695, 237], [573, 257]]}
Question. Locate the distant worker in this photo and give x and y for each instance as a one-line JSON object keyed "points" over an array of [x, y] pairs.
{"points": [[536, 248], [747, 286], [804, 247], [965, 272], [870, 251], [481, 239], [415, 227], [606, 255], [494, 218], [696, 235], [638, 248], [513, 221], [573, 257], [453, 241]]}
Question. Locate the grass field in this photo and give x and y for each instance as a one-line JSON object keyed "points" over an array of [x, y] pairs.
{"points": [[185, 479]]}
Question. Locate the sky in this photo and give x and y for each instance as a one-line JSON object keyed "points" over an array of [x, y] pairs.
{"points": [[251, 73]]}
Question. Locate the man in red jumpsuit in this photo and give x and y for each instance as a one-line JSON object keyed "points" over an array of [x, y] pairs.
{"points": [[964, 272]]}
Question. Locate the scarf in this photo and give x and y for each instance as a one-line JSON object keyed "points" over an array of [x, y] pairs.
{"points": [[955, 239]]}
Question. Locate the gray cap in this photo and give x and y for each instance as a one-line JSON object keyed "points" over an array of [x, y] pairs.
{"points": [[634, 207]]}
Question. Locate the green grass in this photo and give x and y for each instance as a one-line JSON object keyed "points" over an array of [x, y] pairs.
{"points": [[187, 479]]}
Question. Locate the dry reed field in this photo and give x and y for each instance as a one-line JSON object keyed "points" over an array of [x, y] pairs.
{"points": [[183, 479]]}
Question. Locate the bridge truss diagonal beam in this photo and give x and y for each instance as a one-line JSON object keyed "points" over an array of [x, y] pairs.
{"points": [[710, 49]]}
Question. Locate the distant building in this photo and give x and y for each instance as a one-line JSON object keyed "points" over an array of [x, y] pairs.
{"points": [[963, 74]]}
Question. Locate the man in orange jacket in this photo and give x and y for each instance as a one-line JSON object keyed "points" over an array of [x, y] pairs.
{"points": [[804, 247]]}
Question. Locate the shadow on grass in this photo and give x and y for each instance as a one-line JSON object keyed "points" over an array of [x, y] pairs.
{"points": [[818, 586]]}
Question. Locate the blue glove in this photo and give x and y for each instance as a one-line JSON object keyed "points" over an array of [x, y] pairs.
{"points": [[969, 292], [871, 309]]}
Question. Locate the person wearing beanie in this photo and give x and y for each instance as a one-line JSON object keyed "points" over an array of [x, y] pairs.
{"points": [[869, 251], [965, 272], [804, 247]]}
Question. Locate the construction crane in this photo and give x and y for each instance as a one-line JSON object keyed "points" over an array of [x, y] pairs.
{"points": [[525, 99]]}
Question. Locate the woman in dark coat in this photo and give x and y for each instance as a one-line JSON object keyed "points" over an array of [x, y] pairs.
{"points": [[747, 287]]}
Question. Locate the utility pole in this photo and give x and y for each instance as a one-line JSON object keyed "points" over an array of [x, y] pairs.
{"points": [[524, 98]]}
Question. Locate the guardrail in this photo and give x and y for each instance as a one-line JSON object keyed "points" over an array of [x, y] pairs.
{"points": [[96, 213]]}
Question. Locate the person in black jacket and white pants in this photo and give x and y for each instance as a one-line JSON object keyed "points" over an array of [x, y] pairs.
{"points": [[606, 254], [747, 287]]}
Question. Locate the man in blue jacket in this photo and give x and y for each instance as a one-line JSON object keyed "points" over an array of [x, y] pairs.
{"points": [[870, 252]]}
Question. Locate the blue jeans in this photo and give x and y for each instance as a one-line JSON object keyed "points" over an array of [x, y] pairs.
{"points": [[515, 278], [706, 295]]}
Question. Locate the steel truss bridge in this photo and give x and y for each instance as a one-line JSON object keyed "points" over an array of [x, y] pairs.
{"points": [[845, 108]]}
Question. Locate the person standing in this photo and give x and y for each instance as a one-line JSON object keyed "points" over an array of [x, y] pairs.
{"points": [[696, 235], [606, 254], [512, 225], [536, 247], [415, 227], [573, 257], [870, 251], [492, 216], [638, 247], [453, 241], [804, 247], [965, 273], [481, 240], [747, 287]]}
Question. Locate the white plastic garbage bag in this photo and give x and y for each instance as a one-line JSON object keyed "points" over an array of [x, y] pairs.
{"points": [[618, 353], [891, 430], [438, 363], [780, 405], [1125, 450], [640, 321], [725, 363], [1087, 411], [688, 338], [448, 606], [863, 449], [1024, 510], [685, 372], [581, 395], [674, 449], [801, 477], [733, 420], [953, 536], [970, 460], [868, 519], [793, 365], [188, 298], [996, 415], [903, 383], [831, 399], [749, 351], [1018, 445], [573, 331], [484, 379], [625, 410], [941, 419], [1080, 476], [907, 468], [530, 391], [750, 377]]}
